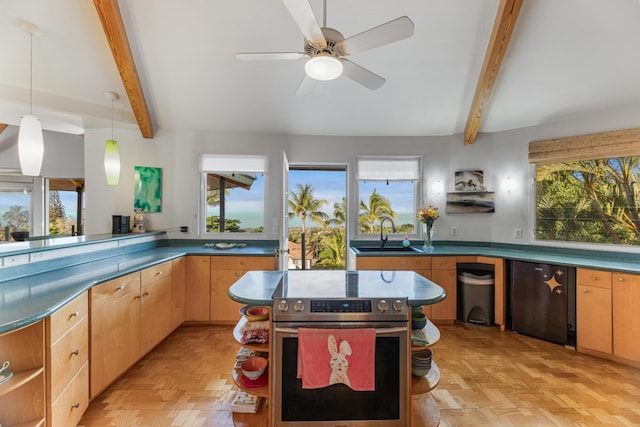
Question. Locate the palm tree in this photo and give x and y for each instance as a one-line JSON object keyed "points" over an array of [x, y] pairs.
{"points": [[303, 204], [17, 216], [339, 212], [378, 208]]}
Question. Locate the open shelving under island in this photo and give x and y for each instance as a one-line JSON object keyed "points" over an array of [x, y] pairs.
{"points": [[383, 294]]}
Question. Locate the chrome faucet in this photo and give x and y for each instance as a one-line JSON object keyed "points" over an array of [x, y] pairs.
{"points": [[384, 237]]}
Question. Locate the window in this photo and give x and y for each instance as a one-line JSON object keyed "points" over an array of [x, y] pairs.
{"points": [[590, 201], [233, 196], [388, 187], [15, 208], [587, 188]]}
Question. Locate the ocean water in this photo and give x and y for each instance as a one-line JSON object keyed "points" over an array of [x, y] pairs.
{"points": [[256, 219]]}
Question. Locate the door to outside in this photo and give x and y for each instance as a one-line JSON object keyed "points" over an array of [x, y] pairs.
{"points": [[317, 217]]}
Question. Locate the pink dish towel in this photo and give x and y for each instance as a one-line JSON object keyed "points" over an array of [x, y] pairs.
{"points": [[334, 356]]}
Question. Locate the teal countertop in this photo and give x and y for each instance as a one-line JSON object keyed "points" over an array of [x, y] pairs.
{"points": [[43, 284], [27, 298], [258, 287]]}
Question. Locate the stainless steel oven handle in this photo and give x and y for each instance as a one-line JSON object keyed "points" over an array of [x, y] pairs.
{"points": [[379, 331]]}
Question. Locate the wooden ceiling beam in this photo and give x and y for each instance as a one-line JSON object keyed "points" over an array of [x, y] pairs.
{"points": [[111, 19], [500, 35], [3, 126]]}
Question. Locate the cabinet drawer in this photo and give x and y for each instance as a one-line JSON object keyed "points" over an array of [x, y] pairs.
{"points": [[157, 272], [113, 289], [406, 263], [74, 400], [443, 263], [67, 356], [596, 278], [242, 263], [67, 317]]}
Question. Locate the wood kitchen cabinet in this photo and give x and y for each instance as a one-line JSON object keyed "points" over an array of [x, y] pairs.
{"points": [[67, 362], [22, 397], [626, 328], [129, 316], [115, 330], [444, 273], [198, 288], [155, 305], [178, 291], [594, 315], [225, 271]]}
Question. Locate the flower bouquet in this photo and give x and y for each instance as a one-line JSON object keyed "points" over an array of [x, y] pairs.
{"points": [[427, 216]]}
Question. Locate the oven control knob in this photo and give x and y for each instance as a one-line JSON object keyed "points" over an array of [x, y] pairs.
{"points": [[383, 305], [298, 305], [398, 305], [283, 305]]}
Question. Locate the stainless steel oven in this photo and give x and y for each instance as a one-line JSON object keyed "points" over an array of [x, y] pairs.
{"points": [[336, 300]]}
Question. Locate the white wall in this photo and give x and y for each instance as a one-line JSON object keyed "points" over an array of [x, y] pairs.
{"points": [[499, 155]]}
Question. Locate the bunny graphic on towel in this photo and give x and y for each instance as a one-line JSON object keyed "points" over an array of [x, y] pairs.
{"points": [[338, 362]]}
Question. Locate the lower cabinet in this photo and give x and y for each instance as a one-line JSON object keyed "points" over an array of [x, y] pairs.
{"points": [[178, 292], [626, 328], [198, 288], [22, 397], [67, 362], [444, 273], [115, 330], [594, 316], [225, 271]]}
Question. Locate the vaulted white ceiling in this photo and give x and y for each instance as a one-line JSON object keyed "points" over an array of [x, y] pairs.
{"points": [[565, 58]]}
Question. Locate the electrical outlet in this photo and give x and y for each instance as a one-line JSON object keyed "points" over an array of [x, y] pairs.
{"points": [[454, 230], [517, 233]]}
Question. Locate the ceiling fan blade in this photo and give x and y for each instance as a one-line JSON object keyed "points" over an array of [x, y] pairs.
{"points": [[361, 75], [270, 56], [302, 13], [389, 32], [306, 86]]}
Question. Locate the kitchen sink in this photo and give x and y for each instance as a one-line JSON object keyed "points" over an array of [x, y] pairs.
{"points": [[385, 249]]}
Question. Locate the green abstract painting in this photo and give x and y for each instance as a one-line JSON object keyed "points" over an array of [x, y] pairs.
{"points": [[147, 193]]}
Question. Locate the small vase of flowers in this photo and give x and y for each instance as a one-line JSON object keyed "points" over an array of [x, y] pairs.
{"points": [[427, 217]]}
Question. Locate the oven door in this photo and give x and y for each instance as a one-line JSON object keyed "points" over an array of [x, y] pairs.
{"points": [[338, 404]]}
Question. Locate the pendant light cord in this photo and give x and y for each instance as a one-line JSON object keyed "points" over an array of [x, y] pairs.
{"points": [[112, 118], [31, 76]]}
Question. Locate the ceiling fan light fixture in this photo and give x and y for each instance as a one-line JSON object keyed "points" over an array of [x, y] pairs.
{"points": [[323, 66]]}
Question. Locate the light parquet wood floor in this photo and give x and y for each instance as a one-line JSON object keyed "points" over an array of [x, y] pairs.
{"points": [[489, 378]]}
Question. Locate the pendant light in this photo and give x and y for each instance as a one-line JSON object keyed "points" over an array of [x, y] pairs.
{"points": [[111, 152], [30, 139]]}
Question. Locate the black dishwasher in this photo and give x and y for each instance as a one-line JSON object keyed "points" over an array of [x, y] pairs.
{"points": [[543, 301]]}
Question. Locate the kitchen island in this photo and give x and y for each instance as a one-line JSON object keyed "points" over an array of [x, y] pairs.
{"points": [[347, 305]]}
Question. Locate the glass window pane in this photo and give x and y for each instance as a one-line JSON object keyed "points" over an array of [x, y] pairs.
{"points": [[395, 199], [236, 197], [14, 211]]}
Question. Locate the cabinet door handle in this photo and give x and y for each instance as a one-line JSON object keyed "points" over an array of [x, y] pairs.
{"points": [[594, 278], [76, 314], [620, 279], [158, 273], [137, 297], [75, 353], [146, 294], [75, 405], [119, 288], [584, 291]]}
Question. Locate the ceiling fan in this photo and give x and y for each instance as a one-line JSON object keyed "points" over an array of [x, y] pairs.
{"points": [[325, 48]]}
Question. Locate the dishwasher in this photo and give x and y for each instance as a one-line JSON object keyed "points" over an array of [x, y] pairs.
{"points": [[543, 301]]}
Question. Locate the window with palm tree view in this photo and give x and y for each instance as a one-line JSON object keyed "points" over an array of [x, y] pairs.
{"points": [[591, 201], [234, 202], [318, 214]]}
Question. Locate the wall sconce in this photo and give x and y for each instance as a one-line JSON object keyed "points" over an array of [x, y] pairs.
{"points": [[437, 188], [509, 185], [111, 152]]}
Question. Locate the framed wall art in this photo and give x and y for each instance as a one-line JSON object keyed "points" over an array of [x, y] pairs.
{"points": [[469, 180], [470, 202], [147, 192]]}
